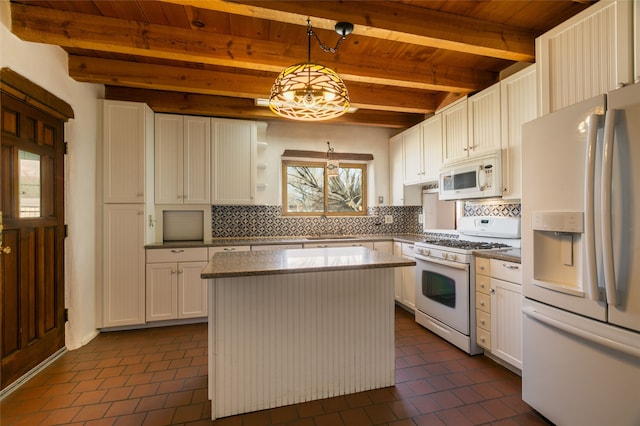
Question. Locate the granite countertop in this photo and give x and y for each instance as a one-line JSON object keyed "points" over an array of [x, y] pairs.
{"points": [[511, 255], [274, 262], [405, 238]]}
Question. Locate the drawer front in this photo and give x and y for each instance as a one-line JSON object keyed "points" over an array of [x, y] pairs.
{"points": [[177, 255], [407, 250], [483, 302], [483, 338], [483, 266], [227, 249], [506, 271], [483, 283], [483, 320]]}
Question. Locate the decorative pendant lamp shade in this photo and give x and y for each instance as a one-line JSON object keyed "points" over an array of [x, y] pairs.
{"points": [[309, 91]]}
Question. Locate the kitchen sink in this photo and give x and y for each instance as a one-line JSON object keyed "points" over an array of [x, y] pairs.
{"points": [[331, 237]]}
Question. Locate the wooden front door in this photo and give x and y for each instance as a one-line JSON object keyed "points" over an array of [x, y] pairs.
{"points": [[32, 255]]}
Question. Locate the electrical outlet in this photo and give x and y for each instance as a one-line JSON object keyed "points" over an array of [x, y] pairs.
{"points": [[420, 218], [388, 218]]}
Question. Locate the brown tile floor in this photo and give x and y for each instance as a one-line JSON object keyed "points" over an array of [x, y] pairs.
{"points": [[159, 377]]}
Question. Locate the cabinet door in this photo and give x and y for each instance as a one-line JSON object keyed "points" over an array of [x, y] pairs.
{"points": [[233, 162], [169, 133], [197, 160], [396, 171], [432, 148], [123, 287], [162, 291], [127, 127], [192, 290], [506, 321], [412, 155], [484, 121], [398, 273], [519, 105], [587, 55], [454, 131]]}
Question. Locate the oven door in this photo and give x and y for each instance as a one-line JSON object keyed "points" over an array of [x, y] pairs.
{"points": [[442, 291]]}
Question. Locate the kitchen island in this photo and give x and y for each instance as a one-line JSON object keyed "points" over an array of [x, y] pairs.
{"points": [[289, 326]]}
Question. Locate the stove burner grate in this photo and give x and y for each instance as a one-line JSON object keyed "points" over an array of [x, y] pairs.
{"points": [[464, 244]]}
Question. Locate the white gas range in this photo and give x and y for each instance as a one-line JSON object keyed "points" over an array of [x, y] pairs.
{"points": [[445, 276]]}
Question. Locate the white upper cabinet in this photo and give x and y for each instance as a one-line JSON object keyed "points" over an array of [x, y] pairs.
{"points": [[422, 151], [431, 130], [233, 161], [518, 93], [182, 159], [400, 195], [127, 152], [587, 55], [412, 155], [396, 171], [484, 121], [455, 135]]}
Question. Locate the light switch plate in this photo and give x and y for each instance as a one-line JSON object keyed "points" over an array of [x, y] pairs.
{"points": [[388, 218]]}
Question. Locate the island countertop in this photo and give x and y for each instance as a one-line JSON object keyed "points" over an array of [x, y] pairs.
{"points": [[273, 262]]}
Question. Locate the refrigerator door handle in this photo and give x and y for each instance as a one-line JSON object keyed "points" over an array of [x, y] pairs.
{"points": [[589, 206], [605, 208], [579, 332]]}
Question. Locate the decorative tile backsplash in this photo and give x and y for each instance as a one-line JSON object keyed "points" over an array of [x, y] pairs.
{"points": [[267, 221], [492, 208]]}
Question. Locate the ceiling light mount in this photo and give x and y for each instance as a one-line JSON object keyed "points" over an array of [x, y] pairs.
{"points": [[310, 91]]}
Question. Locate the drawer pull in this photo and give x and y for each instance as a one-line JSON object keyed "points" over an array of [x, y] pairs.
{"points": [[511, 267], [177, 251], [229, 249]]}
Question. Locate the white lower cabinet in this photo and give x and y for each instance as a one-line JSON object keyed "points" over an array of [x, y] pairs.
{"points": [[405, 281], [123, 298], [499, 309], [227, 249], [173, 284]]}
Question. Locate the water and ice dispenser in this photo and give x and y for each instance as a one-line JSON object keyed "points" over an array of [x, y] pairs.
{"points": [[557, 242]]}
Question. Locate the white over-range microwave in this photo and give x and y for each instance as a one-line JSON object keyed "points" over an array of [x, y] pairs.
{"points": [[477, 177]]}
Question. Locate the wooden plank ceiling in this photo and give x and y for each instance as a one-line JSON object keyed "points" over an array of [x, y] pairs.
{"points": [[403, 60]]}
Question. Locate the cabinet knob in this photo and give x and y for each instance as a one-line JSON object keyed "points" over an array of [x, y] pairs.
{"points": [[139, 194], [492, 291], [173, 271], [482, 322]]}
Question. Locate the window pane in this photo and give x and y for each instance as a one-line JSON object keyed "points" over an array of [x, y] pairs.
{"points": [[345, 191], [29, 184], [305, 189]]}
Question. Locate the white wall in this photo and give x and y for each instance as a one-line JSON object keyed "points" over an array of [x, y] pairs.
{"points": [[46, 66], [283, 135]]}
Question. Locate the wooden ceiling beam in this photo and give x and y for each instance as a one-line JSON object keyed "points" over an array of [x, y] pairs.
{"points": [[163, 77], [75, 30], [222, 106], [381, 20]]}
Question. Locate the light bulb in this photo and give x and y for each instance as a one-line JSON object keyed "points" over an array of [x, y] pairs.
{"points": [[329, 96], [289, 95]]}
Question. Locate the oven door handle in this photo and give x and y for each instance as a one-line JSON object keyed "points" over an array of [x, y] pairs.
{"points": [[461, 266]]}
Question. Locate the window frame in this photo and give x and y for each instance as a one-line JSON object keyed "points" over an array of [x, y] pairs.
{"points": [[323, 164]]}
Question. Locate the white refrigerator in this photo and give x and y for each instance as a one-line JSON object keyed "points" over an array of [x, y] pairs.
{"points": [[581, 261]]}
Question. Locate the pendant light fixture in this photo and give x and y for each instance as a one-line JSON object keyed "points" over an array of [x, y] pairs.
{"points": [[308, 91]]}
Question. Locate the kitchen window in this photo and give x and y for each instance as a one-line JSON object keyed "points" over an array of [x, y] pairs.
{"points": [[308, 190]]}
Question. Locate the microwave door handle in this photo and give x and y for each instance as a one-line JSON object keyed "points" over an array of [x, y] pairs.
{"points": [[607, 242], [589, 206]]}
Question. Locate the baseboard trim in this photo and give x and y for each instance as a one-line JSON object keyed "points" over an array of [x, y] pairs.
{"points": [[30, 374]]}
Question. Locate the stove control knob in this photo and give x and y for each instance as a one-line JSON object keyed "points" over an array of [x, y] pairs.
{"points": [[453, 257], [426, 252], [445, 255]]}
